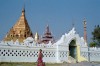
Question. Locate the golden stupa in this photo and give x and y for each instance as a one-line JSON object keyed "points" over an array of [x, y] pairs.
{"points": [[20, 30]]}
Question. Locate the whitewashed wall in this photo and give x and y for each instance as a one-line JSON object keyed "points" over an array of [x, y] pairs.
{"points": [[92, 54], [26, 54], [30, 54]]}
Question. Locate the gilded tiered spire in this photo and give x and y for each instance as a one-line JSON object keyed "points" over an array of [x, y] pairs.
{"points": [[20, 30], [47, 36]]}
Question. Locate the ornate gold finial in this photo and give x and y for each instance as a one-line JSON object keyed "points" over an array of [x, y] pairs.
{"points": [[23, 11]]}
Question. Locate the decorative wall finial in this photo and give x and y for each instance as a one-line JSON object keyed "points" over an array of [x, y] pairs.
{"points": [[73, 23]]}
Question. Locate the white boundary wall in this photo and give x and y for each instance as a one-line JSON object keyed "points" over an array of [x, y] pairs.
{"points": [[92, 54], [30, 54], [53, 53]]}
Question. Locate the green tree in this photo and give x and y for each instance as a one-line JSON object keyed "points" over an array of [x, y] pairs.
{"points": [[93, 44], [96, 35]]}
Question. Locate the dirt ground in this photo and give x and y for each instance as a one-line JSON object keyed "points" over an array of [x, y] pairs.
{"points": [[51, 64]]}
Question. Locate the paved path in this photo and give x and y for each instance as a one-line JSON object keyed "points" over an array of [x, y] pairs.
{"points": [[81, 64]]}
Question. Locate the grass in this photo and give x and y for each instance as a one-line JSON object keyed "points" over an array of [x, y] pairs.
{"points": [[25, 64]]}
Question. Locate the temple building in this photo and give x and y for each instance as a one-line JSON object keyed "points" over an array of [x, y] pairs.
{"points": [[20, 44], [47, 36], [20, 30]]}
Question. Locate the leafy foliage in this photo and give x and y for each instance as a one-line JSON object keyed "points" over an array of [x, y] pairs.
{"points": [[93, 44], [96, 36]]}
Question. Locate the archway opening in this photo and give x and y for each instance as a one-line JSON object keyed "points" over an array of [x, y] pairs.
{"points": [[73, 49]]}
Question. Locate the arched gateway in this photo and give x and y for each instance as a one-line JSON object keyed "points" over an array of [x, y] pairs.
{"points": [[72, 43]]}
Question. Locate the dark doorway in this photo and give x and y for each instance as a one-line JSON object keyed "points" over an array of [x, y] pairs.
{"points": [[73, 49]]}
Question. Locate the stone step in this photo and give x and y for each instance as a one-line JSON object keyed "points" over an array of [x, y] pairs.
{"points": [[71, 60]]}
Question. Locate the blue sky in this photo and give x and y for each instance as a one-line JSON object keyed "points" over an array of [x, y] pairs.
{"points": [[59, 14]]}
